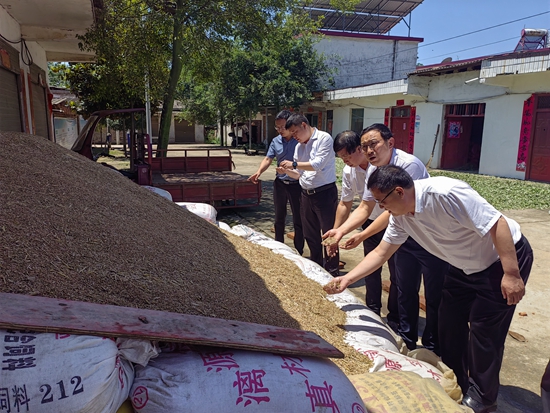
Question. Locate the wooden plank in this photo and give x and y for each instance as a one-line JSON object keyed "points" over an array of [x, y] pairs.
{"points": [[77, 317]]}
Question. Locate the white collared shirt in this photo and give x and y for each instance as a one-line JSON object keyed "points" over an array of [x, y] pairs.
{"points": [[410, 163], [353, 184], [319, 153], [451, 221]]}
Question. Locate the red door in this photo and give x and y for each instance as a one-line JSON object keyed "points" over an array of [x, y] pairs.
{"points": [[539, 167], [456, 143], [400, 126], [400, 130]]}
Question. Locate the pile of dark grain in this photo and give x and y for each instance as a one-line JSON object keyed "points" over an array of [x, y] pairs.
{"points": [[71, 228]]}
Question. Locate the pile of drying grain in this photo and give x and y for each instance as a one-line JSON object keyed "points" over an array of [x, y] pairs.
{"points": [[74, 229]]}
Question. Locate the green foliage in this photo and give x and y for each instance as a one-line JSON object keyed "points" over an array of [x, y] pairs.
{"points": [[505, 193], [339, 169], [57, 74], [281, 70]]}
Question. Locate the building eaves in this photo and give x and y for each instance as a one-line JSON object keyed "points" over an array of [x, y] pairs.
{"points": [[474, 63], [375, 89]]}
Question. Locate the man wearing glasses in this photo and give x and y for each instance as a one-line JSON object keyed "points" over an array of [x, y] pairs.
{"points": [[490, 264], [347, 146], [314, 164], [285, 188], [412, 261]]}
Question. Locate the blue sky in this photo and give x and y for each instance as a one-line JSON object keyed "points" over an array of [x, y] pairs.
{"points": [[436, 20]]}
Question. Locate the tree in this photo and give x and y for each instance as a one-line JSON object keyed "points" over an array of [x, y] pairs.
{"points": [[281, 70], [147, 38]]}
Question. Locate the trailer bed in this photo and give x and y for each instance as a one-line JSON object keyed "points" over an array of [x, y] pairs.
{"points": [[220, 189]]}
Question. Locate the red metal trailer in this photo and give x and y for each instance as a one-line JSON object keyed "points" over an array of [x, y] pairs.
{"points": [[190, 175]]}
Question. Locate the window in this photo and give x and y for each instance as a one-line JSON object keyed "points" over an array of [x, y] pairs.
{"points": [[357, 120]]}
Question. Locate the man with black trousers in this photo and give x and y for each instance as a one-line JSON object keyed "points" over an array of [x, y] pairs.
{"points": [[314, 165], [490, 263], [285, 188], [347, 146], [411, 262]]}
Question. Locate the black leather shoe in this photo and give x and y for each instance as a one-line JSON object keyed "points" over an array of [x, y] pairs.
{"points": [[478, 407]]}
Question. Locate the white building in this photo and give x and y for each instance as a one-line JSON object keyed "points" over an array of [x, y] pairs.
{"points": [[491, 114]]}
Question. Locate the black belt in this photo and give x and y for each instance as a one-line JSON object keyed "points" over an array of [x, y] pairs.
{"points": [[287, 182], [318, 189]]}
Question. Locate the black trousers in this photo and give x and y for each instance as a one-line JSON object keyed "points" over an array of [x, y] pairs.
{"points": [[411, 263], [318, 211], [373, 282], [545, 389], [475, 352], [282, 194]]}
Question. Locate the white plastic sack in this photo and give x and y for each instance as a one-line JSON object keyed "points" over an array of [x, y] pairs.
{"points": [[205, 211], [43, 372], [208, 379], [386, 360], [224, 226], [159, 191]]}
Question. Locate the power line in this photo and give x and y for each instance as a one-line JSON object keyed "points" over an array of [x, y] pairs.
{"points": [[487, 28], [470, 48], [450, 38]]}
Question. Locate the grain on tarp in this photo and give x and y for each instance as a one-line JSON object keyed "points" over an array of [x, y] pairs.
{"points": [[74, 229]]}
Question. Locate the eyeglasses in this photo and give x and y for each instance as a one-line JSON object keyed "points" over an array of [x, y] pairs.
{"points": [[370, 145], [383, 199], [277, 128]]}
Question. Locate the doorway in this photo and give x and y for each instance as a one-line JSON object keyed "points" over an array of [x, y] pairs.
{"points": [[539, 160], [400, 126], [463, 136]]}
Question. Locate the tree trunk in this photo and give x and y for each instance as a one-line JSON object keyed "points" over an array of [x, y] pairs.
{"points": [[175, 72]]}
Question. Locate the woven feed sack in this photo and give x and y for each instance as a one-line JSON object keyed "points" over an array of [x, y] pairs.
{"points": [[162, 192], [209, 379], [205, 211], [43, 372], [403, 392]]}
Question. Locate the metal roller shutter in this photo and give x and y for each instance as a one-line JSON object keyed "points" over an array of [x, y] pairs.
{"points": [[185, 133], [10, 113]]}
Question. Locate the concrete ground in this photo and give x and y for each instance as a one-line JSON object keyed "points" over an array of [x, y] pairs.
{"points": [[527, 347]]}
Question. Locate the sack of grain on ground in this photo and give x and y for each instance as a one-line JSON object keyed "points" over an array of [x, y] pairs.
{"points": [[205, 211], [44, 372], [162, 192], [208, 379], [74, 229], [403, 392]]}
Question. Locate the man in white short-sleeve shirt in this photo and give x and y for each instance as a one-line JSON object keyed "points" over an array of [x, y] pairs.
{"points": [[412, 263], [490, 264], [347, 146]]}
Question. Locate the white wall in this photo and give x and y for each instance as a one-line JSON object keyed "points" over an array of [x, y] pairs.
{"points": [[428, 115], [362, 61], [501, 132]]}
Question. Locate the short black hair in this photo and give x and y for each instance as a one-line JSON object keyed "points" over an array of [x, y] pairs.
{"points": [[296, 119], [283, 114], [385, 132], [348, 140], [387, 177]]}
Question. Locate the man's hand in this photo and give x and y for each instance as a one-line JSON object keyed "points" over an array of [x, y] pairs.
{"points": [[331, 239], [337, 285], [286, 164], [513, 288], [254, 178], [352, 242]]}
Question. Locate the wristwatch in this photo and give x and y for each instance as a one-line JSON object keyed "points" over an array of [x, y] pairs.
{"points": [[294, 165]]}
